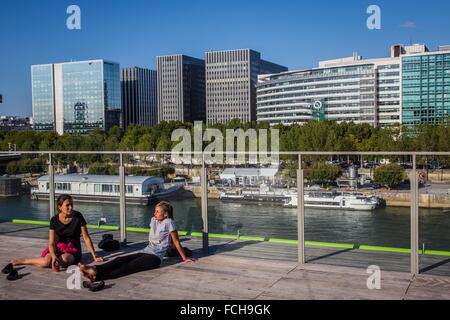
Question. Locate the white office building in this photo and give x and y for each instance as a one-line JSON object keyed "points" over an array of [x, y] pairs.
{"points": [[348, 89]]}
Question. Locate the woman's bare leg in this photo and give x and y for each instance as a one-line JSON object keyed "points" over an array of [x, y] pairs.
{"points": [[38, 262]]}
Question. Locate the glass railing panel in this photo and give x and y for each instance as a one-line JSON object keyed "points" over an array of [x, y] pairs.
{"points": [[248, 208], [434, 214], [357, 211]]}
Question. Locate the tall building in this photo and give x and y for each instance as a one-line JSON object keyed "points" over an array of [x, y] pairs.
{"points": [[139, 103], [426, 87], [231, 78], [348, 89], [76, 97], [181, 88]]}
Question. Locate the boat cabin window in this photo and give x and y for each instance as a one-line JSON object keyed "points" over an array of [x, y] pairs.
{"points": [[110, 188], [62, 186], [107, 188]]}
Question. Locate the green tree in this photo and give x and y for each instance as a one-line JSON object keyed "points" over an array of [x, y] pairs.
{"points": [[322, 172], [389, 175], [12, 168], [164, 144]]}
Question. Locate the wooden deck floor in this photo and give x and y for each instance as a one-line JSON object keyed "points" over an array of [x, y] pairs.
{"points": [[234, 270]]}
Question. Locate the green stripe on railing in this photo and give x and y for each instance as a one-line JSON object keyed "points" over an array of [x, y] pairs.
{"points": [[385, 249], [329, 245], [102, 227], [222, 236], [141, 230], [261, 239], [196, 234], [437, 253], [286, 241], [31, 222], [251, 238]]}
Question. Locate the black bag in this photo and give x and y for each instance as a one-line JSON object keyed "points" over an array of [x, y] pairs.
{"points": [[107, 236], [108, 243], [173, 252]]}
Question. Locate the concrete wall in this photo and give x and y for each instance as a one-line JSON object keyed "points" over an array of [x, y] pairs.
{"points": [[403, 199]]}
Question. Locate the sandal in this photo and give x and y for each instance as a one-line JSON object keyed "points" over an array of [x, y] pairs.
{"points": [[94, 286], [8, 268], [13, 275]]}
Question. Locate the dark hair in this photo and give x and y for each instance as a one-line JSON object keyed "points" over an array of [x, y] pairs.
{"points": [[61, 199], [167, 208]]}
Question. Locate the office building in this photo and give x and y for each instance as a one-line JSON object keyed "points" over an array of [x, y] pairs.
{"points": [[139, 102], [181, 88], [348, 89], [426, 87], [231, 78], [76, 97]]}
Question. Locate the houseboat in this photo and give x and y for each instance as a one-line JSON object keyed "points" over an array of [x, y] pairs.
{"points": [[140, 190]]}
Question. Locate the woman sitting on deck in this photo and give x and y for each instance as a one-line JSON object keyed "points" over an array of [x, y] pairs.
{"points": [[162, 231], [64, 246]]}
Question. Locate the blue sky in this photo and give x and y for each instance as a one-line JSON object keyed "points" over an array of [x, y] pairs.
{"points": [[294, 33]]}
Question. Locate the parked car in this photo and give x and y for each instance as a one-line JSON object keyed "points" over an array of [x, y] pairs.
{"points": [[369, 164], [406, 165]]}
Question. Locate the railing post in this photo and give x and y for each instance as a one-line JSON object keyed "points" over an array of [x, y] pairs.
{"points": [[51, 185], [123, 215], [204, 186], [301, 213], [414, 219]]}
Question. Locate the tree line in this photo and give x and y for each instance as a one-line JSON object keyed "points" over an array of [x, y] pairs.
{"points": [[312, 136]]}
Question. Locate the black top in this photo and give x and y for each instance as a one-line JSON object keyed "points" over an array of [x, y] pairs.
{"points": [[70, 232]]}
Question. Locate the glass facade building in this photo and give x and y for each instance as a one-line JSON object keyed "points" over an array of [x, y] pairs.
{"points": [[139, 102], [76, 97], [43, 98], [426, 88]]}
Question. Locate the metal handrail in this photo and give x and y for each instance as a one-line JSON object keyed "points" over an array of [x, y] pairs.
{"points": [[298, 153]]}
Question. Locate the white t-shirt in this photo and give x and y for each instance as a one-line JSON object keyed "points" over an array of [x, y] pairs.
{"points": [[159, 236]]}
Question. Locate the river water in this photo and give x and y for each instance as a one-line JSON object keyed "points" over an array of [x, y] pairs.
{"points": [[383, 227]]}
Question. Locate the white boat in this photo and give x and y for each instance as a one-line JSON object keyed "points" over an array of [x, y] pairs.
{"points": [[263, 195], [334, 200], [142, 190]]}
